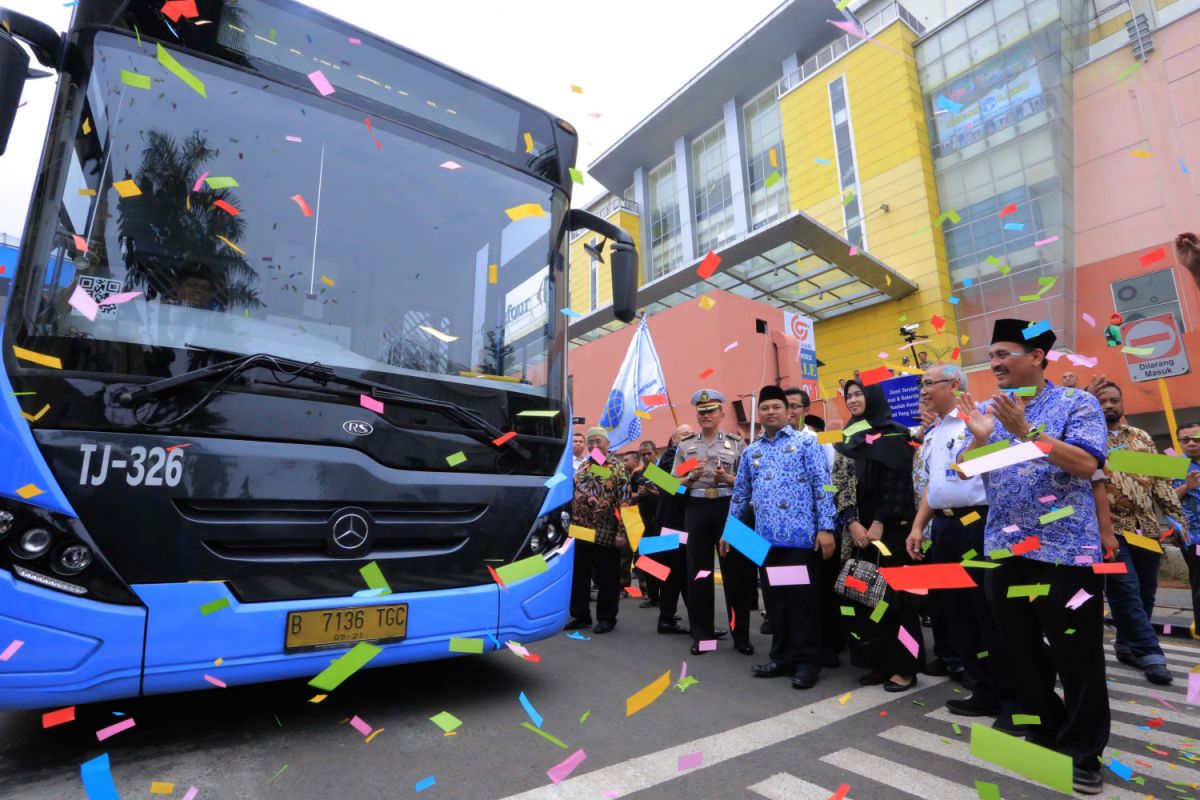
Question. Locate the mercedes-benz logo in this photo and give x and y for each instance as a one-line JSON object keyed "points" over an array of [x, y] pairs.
{"points": [[349, 532]]}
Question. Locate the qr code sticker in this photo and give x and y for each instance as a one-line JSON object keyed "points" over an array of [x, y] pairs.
{"points": [[100, 288]]}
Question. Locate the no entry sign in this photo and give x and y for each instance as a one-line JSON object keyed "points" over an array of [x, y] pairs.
{"points": [[1153, 348]]}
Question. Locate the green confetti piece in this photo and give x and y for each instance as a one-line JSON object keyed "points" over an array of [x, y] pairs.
{"points": [[847, 611], [1000, 555], [957, 729], [583, 719], [848, 198], [446, 721], [982, 654], [987, 791], [773, 179], [521, 570], [221, 182], [829, 487], [133, 79], [1033, 590], [180, 71], [1026, 719], [967, 556], [1137, 64], [576, 175], [985, 450], [981, 564], [343, 667], [277, 774], [904, 317], [1062, 513], [861, 425], [214, 606], [1028, 298], [373, 575], [454, 459], [459, 644], [686, 683], [1038, 764], [538, 413], [1151, 464], [599, 471], [879, 610], [661, 478], [1069, 631], [917, 703], [530, 726], [925, 545]]}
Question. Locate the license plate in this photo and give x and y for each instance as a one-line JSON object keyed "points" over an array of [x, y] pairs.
{"points": [[339, 626]]}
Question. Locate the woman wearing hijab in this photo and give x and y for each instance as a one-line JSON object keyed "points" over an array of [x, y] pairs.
{"points": [[873, 473]]}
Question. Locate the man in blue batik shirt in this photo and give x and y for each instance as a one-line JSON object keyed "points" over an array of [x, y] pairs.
{"points": [[1068, 426], [783, 477], [1189, 497]]}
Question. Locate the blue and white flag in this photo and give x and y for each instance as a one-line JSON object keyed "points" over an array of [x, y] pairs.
{"points": [[641, 375]]}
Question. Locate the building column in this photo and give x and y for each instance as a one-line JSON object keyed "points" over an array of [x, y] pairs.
{"points": [[735, 159], [641, 196], [683, 194], [791, 64]]}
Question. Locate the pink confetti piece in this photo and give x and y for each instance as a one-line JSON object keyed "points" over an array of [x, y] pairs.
{"points": [[321, 82], [683, 670], [853, 249], [1047, 499], [730, 346], [520, 650], [907, 640], [704, 573], [450, 165], [1084, 560], [119, 298], [1089, 319], [1051, 240], [293, 138], [113, 730], [220, 684], [559, 772], [1082, 361], [191, 793], [199, 182], [796, 575], [1167, 630], [1078, 599], [11, 650], [80, 242], [871, 437], [1011, 529], [597, 456], [354, 40], [1164, 702], [883, 355], [357, 723], [691, 761], [370, 403], [708, 645], [1053, 355], [84, 303]]}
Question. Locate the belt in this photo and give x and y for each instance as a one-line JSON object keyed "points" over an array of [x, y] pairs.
{"points": [[710, 494], [963, 511]]}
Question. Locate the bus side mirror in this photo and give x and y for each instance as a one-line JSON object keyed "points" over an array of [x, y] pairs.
{"points": [[623, 260], [14, 63]]}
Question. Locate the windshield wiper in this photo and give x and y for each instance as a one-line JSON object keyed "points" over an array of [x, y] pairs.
{"points": [[320, 374]]}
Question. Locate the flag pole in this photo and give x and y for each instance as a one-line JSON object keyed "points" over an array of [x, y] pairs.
{"points": [[670, 405]]}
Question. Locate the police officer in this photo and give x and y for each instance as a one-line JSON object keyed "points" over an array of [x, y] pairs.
{"points": [[712, 457]]}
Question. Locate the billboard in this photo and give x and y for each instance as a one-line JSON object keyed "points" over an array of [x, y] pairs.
{"points": [[800, 328]]}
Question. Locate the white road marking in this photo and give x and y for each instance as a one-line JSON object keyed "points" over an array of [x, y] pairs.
{"points": [[1155, 709], [652, 769], [898, 776], [1138, 675], [783, 786], [1182, 648], [1122, 729], [1172, 694]]}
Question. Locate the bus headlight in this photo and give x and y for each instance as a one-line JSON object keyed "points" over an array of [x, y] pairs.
{"points": [[72, 559], [6, 522], [535, 543], [33, 543]]}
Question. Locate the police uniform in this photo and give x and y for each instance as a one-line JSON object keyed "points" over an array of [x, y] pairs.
{"points": [[704, 521]]}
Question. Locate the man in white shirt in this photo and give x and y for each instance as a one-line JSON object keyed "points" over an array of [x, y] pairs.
{"points": [[578, 451], [798, 405], [954, 509]]}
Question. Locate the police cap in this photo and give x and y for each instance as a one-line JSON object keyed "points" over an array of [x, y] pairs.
{"points": [[707, 399]]}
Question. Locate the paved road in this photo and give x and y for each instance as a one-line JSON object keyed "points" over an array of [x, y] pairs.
{"points": [[757, 738]]}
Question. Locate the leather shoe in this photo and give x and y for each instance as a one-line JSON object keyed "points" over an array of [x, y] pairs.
{"points": [[872, 679], [1127, 658], [720, 634], [765, 628], [1158, 673], [1087, 781], [672, 627], [771, 669], [891, 686], [648, 603], [575, 623], [1005, 723], [603, 626], [745, 648], [804, 678], [695, 649], [831, 660], [973, 706]]}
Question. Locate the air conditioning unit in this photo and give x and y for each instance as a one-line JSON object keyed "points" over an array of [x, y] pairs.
{"points": [[1140, 40]]}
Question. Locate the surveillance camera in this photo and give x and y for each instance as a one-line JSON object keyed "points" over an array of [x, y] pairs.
{"points": [[907, 330]]}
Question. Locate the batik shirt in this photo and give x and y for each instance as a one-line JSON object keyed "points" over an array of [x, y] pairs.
{"points": [[784, 479], [598, 499], [1072, 416], [1191, 507], [1131, 496]]}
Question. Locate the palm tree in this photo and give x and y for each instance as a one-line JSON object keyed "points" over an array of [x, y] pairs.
{"points": [[168, 232]]}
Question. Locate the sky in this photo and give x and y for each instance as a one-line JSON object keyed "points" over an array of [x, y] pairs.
{"points": [[627, 55]]}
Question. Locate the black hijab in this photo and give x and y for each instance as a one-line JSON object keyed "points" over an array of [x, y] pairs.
{"points": [[891, 448]]}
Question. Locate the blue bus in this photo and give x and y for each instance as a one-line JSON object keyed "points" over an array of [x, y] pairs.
{"points": [[287, 307]]}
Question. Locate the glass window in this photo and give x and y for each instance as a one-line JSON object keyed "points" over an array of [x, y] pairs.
{"points": [[979, 19], [712, 190], [666, 250], [847, 171], [764, 160], [594, 279]]}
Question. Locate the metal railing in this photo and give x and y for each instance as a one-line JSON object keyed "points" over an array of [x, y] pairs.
{"points": [[611, 206], [845, 43]]}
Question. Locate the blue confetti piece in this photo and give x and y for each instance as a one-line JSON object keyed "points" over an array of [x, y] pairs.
{"points": [[1183, 166], [743, 538], [968, 282], [946, 104], [530, 710], [952, 300], [97, 779], [495, 641], [424, 783], [1123, 771], [579, 636], [1014, 226], [570, 312], [554, 480], [658, 544], [1036, 330], [823, 162]]}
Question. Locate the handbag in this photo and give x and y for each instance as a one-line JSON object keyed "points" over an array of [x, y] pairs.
{"points": [[862, 572]]}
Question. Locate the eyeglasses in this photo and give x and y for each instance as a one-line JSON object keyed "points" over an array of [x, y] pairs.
{"points": [[928, 383], [1003, 355]]}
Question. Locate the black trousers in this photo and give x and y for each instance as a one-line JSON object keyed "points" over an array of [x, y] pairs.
{"points": [[606, 561], [825, 574], [674, 587], [878, 646], [1076, 725], [1193, 564], [795, 609], [704, 522], [970, 628]]}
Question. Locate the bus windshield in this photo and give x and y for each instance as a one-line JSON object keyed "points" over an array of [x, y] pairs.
{"points": [[248, 216]]}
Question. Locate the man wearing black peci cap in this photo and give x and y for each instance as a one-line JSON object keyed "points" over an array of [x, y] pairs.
{"points": [[1068, 427]]}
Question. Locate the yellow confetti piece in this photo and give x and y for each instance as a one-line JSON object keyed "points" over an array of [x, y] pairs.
{"points": [[1145, 542], [435, 333], [328, 281], [887, 278], [844, 699], [1140, 154], [162, 787], [647, 695], [641, 414], [883, 548], [29, 490], [317, 698], [774, 157], [576, 89], [707, 302], [87, 192], [969, 518], [38, 415], [374, 733], [493, 273], [525, 210], [829, 437], [218, 662], [87, 127], [528, 143], [127, 188], [231, 244], [964, 338], [581, 533], [54, 362]]}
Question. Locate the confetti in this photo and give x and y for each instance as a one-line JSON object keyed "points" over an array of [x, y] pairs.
{"points": [[446, 721], [1153, 256], [1140, 154], [1037, 763], [321, 83], [743, 539], [179, 71], [690, 761], [454, 459], [708, 372], [1089, 319], [328, 281], [114, 729], [525, 210], [97, 779], [84, 303], [305, 209], [709, 265], [425, 783], [927, 576], [1041, 242], [528, 142], [647, 695], [523, 569], [560, 771], [435, 333], [570, 312], [11, 650], [373, 576], [1036, 329], [1150, 464], [370, 403], [1111, 568], [135, 80], [576, 175], [1036, 590], [214, 606], [344, 666], [62, 716], [707, 303], [215, 681]]}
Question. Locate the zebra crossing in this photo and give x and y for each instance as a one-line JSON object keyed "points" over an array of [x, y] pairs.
{"points": [[1154, 732]]}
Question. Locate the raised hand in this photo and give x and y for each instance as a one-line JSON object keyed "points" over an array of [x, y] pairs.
{"points": [[1187, 251], [1096, 384], [979, 424], [1009, 413]]}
